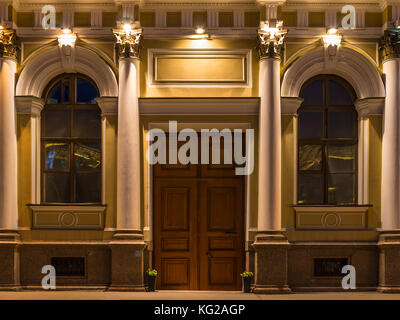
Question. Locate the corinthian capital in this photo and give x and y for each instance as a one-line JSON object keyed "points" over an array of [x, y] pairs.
{"points": [[8, 43], [128, 41], [390, 44], [270, 38]]}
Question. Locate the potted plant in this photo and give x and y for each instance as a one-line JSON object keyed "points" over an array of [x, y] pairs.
{"points": [[151, 276], [246, 277]]}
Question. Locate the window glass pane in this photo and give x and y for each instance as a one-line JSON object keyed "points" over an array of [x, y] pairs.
{"points": [[341, 189], [313, 94], [88, 187], [55, 94], [56, 187], [338, 95], [310, 157], [57, 156], [311, 124], [87, 155], [56, 123], [341, 124], [341, 158], [86, 92], [87, 123], [310, 189], [66, 90]]}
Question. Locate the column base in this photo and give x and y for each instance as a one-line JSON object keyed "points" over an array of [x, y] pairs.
{"points": [[127, 272], [9, 260], [389, 253], [271, 263]]}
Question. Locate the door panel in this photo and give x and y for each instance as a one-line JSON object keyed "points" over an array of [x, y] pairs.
{"points": [[198, 225], [221, 251], [175, 242]]}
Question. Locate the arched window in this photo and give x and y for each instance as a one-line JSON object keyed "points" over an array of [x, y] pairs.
{"points": [[327, 142], [71, 141]]}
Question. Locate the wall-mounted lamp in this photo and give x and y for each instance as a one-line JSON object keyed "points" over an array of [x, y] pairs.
{"points": [[199, 33], [67, 38], [332, 38]]}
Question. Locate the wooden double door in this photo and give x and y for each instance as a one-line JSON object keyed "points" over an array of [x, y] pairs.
{"points": [[198, 223]]}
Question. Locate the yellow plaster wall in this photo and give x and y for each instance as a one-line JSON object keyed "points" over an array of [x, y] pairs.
{"points": [[82, 19], [373, 19], [316, 19], [200, 19], [111, 122], [375, 170], [25, 19], [288, 182], [147, 91], [24, 169], [289, 18], [252, 19]]}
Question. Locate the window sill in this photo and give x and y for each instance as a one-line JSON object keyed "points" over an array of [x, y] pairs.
{"points": [[340, 217], [331, 205], [68, 216]]}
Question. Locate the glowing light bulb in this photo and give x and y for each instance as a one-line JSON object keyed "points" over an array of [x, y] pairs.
{"points": [[127, 28], [200, 30], [332, 31]]}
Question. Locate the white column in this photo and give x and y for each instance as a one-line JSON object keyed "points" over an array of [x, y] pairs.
{"points": [[128, 163], [269, 179], [8, 147], [390, 209]]}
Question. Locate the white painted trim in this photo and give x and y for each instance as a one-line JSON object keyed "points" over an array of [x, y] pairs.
{"points": [[350, 65], [40, 69], [152, 53]]}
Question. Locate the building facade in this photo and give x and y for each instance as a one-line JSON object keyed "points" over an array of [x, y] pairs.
{"points": [[318, 84]]}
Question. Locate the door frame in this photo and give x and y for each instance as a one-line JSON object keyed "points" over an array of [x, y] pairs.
{"points": [[197, 126]]}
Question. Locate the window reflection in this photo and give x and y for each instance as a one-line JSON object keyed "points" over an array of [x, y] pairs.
{"points": [[71, 142], [327, 146]]}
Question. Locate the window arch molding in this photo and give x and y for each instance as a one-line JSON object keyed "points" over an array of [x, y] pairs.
{"points": [[361, 72], [46, 64]]}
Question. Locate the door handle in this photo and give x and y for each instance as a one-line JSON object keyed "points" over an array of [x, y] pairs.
{"points": [[208, 253]]}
